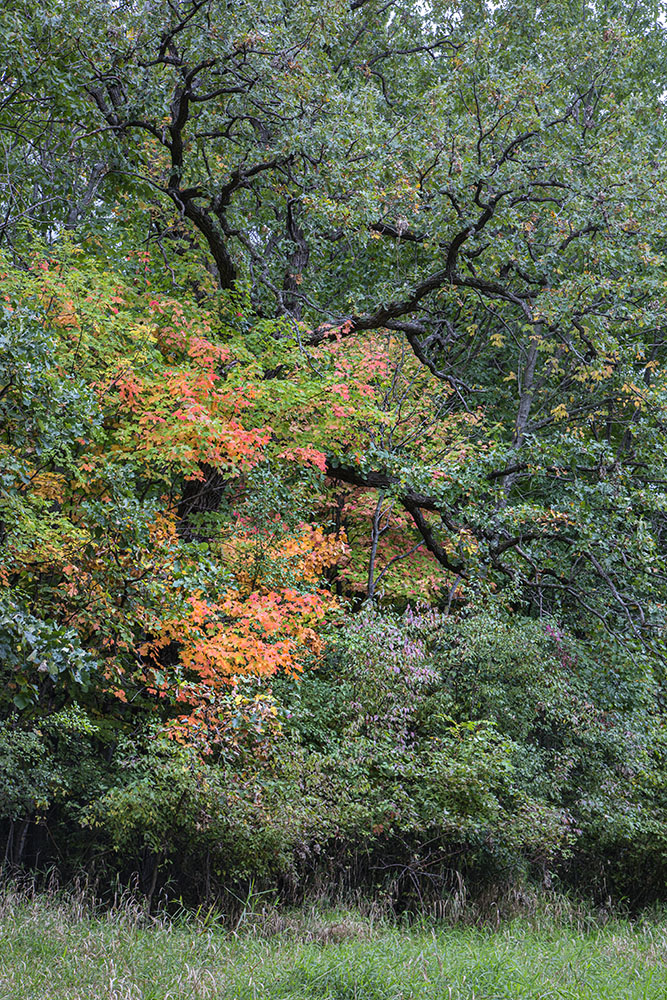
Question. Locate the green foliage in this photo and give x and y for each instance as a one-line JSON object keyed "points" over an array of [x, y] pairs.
{"points": [[40, 656], [28, 780], [308, 313]]}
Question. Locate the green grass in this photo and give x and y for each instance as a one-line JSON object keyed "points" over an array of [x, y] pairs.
{"points": [[52, 949]]}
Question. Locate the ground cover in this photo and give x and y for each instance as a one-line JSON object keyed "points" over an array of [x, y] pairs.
{"points": [[52, 950]]}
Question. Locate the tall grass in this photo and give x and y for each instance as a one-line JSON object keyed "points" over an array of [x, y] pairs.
{"points": [[63, 946]]}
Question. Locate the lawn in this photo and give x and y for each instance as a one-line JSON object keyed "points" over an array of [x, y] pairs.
{"points": [[53, 949]]}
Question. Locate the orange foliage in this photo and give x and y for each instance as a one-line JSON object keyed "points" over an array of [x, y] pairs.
{"points": [[170, 400], [187, 418]]}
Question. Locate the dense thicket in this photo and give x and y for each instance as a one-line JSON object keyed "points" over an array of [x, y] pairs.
{"points": [[333, 401]]}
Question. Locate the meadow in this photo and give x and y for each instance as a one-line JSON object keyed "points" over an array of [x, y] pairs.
{"points": [[56, 947]]}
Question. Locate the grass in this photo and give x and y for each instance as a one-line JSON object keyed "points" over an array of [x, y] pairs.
{"points": [[58, 948]]}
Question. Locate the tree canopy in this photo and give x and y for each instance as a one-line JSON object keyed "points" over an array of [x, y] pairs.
{"points": [[333, 386]]}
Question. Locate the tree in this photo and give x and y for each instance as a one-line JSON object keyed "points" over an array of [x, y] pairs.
{"points": [[312, 307], [112, 584], [481, 182]]}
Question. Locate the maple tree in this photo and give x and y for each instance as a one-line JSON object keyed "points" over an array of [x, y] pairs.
{"points": [[97, 534]]}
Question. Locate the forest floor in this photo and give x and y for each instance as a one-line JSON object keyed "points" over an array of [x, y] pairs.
{"points": [[56, 948]]}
